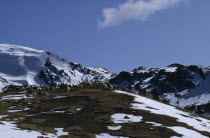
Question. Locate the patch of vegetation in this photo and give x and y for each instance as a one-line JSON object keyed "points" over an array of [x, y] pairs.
{"points": [[38, 120], [45, 113]]}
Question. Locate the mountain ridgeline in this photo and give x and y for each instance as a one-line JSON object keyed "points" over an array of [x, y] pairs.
{"points": [[187, 86], [28, 66]]}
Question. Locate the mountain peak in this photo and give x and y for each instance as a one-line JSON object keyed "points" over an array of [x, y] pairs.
{"points": [[37, 67], [176, 65]]}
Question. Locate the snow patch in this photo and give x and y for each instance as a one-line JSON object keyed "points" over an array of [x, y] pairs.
{"points": [[58, 97], [14, 97], [125, 118], [2, 116], [79, 109], [114, 127], [60, 132], [170, 69], [105, 135], [13, 111], [154, 124]]}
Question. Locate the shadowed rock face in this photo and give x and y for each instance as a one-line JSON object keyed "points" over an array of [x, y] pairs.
{"points": [[173, 78]]}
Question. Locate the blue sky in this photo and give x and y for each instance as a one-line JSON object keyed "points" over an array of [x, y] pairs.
{"points": [[133, 34]]}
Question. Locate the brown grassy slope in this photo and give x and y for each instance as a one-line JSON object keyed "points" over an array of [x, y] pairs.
{"points": [[97, 106]]}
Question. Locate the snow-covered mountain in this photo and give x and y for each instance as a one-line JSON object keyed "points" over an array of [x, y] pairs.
{"points": [[37, 67], [189, 86]]}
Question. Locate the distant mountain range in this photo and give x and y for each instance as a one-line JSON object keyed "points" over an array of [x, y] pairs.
{"points": [[187, 85]]}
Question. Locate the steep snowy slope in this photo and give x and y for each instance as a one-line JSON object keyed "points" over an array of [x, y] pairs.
{"points": [[21, 64], [4, 83], [200, 97], [189, 85], [30, 66]]}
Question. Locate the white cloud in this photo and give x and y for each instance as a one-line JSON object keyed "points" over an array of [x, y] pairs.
{"points": [[133, 10]]}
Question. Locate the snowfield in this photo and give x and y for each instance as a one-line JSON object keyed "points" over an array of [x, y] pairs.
{"points": [[197, 123], [198, 96], [21, 64], [124, 118]]}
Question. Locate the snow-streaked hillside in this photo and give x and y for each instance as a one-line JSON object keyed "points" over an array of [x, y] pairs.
{"points": [[96, 112], [198, 96], [187, 85], [37, 67], [198, 123], [4, 83]]}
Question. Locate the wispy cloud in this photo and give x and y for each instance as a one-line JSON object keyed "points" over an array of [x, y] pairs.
{"points": [[133, 10]]}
